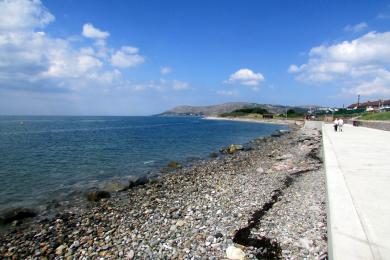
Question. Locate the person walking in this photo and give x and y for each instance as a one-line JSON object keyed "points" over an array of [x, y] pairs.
{"points": [[335, 124], [340, 124]]}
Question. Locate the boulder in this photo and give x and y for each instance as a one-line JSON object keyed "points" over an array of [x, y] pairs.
{"points": [[137, 181], [15, 215], [98, 195]]}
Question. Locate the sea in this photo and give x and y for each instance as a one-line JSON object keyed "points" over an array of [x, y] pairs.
{"points": [[44, 158]]}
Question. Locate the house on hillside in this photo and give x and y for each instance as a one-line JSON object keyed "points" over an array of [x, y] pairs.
{"points": [[370, 106]]}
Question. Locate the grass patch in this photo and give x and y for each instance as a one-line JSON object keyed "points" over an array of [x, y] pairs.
{"points": [[246, 112], [376, 116]]}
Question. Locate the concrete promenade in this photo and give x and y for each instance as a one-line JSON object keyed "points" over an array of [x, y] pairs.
{"points": [[357, 163]]}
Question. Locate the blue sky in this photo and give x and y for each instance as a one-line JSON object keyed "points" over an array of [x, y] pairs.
{"points": [[143, 57]]}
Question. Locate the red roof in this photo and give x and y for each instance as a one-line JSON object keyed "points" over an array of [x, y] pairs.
{"points": [[370, 104]]}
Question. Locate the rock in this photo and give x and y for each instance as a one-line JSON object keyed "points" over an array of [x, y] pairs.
{"points": [[16, 214], [260, 170], [284, 157], [180, 223], [218, 235], [213, 155], [235, 253], [174, 165], [277, 133], [137, 181], [98, 195], [231, 149], [60, 250], [130, 255], [115, 187], [234, 148]]}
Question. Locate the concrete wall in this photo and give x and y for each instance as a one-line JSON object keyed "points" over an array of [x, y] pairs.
{"points": [[381, 125]]}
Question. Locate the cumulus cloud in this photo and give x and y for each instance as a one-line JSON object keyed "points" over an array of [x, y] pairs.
{"points": [[126, 57], [32, 60], [356, 28], [246, 77], [18, 15], [361, 65], [92, 32], [165, 70]]}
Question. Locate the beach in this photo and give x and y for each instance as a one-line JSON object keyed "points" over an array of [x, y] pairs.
{"points": [[264, 201]]}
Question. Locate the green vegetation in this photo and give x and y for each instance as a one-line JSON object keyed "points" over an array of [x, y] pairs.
{"points": [[376, 116], [246, 112], [291, 113]]}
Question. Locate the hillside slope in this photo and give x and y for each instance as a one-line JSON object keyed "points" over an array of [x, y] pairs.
{"points": [[216, 110]]}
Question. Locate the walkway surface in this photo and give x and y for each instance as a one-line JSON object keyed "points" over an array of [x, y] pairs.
{"points": [[357, 163]]}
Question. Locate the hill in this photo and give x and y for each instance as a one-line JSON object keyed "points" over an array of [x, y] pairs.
{"points": [[215, 110]]}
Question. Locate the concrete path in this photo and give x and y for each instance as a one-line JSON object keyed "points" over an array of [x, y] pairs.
{"points": [[357, 163]]}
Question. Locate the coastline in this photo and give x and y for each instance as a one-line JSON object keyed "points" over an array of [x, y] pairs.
{"points": [[199, 211], [257, 120]]}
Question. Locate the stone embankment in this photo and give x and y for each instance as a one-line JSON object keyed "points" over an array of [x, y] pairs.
{"points": [[265, 201], [380, 125]]}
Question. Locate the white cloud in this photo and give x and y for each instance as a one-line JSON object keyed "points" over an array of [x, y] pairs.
{"points": [[360, 66], [165, 70], [126, 57], [32, 60], [92, 32], [18, 15], [180, 85], [246, 77], [227, 92], [161, 85], [356, 28]]}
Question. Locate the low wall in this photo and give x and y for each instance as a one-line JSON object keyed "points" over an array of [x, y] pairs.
{"points": [[381, 125]]}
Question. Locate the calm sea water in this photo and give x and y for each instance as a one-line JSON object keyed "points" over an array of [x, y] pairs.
{"points": [[47, 157]]}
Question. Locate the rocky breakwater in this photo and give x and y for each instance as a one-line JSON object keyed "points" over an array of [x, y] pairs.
{"points": [[264, 202]]}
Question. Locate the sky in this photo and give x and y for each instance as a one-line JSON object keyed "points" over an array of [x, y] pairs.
{"points": [[68, 57]]}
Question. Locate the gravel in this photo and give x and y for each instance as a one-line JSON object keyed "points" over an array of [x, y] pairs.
{"points": [[274, 192]]}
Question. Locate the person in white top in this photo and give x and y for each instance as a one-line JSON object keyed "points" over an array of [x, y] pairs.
{"points": [[335, 124], [340, 124]]}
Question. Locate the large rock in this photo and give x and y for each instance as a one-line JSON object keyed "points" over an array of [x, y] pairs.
{"points": [[137, 181], [235, 253], [231, 149], [115, 186], [16, 214], [98, 195]]}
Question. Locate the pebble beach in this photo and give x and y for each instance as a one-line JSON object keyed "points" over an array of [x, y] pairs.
{"points": [[263, 202]]}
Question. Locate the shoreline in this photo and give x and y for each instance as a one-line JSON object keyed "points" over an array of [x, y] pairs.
{"points": [[196, 211], [258, 120]]}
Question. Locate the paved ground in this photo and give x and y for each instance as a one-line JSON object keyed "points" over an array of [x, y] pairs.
{"points": [[357, 163]]}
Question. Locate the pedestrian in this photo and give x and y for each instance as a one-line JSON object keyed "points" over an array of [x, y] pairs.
{"points": [[335, 124], [340, 124]]}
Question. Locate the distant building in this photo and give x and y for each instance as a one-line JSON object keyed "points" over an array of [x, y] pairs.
{"points": [[378, 105]]}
